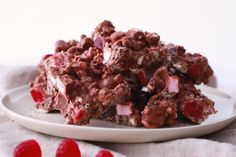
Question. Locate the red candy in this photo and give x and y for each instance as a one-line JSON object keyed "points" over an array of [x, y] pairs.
{"points": [[79, 115], [191, 109], [28, 148], [68, 148], [36, 95], [104, 153]]}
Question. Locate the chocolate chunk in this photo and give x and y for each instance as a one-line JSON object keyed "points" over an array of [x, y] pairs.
{"points": [[152, 38], [61, 45], [105, 28], [159, 80], [85, 42], [65, 84], [135, 34], [116, 36], [158, 113], [109, 114]]}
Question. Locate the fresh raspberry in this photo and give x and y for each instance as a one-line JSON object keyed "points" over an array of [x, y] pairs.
{"points": [[28, 148], [104, 153], [68, 148]]}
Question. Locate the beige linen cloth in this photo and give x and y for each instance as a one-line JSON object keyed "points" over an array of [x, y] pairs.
{"points": [[220, 144]]}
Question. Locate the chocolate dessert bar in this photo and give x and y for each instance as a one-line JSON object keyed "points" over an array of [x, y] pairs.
{"points": [[130, 78]]}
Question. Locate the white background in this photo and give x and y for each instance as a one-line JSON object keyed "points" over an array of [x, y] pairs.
{"points": [[29, 28]]}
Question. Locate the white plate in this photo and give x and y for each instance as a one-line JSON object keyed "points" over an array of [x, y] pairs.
{"points": [[18, 105]]}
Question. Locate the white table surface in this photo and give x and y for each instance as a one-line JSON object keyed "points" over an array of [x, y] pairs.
{"points": [[29, 28]]}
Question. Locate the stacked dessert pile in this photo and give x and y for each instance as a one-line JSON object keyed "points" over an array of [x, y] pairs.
{"points": [[130, 78]]}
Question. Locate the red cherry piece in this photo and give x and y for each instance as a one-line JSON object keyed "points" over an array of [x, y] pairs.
{"points": [[79, 114], [191, 109], [28, 148], [142, 77], [68, 148], [104, 153], [197, 113], [36, 95]]}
